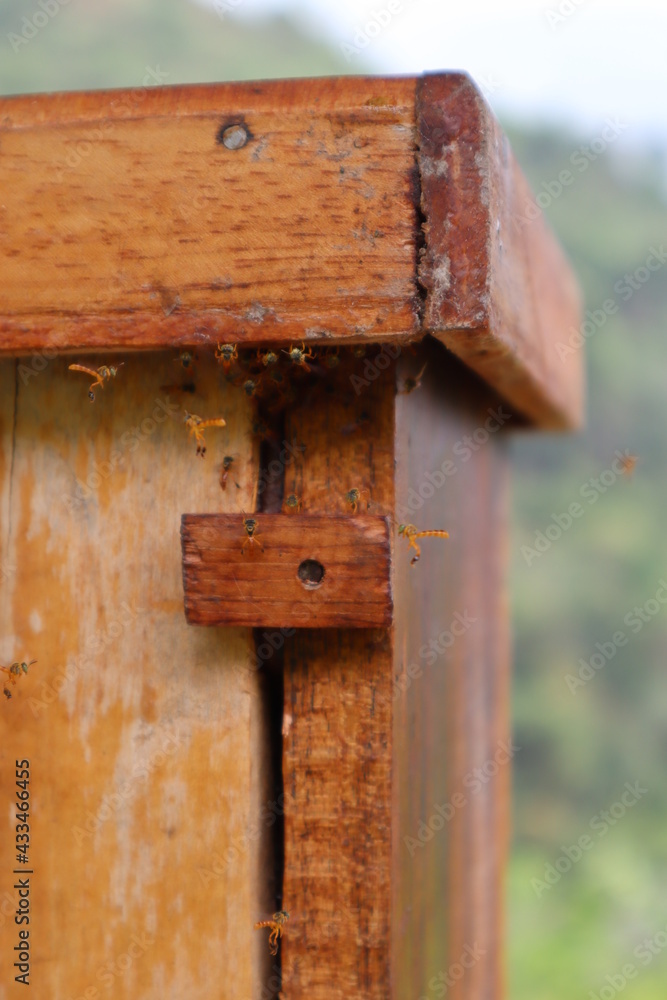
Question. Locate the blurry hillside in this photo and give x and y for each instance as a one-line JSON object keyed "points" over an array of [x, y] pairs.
{"points": [[113, 43], [580, 742]]}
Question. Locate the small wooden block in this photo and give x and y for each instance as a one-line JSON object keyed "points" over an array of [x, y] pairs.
{"points": [[226, 584]]}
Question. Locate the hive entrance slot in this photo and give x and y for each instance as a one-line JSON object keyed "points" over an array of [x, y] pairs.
{"points": [[311, 573]]}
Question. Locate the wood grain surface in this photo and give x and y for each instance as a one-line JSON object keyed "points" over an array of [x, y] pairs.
{"points": [[337, 744], [227, 585], [144, 734], [499, 292], [451, 690], [145, 230]]}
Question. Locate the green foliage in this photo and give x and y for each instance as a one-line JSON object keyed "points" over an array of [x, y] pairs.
{"points": [[113, 43], [580, 746]]}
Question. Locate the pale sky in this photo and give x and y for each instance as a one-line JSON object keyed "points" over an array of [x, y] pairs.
{"points": [[588, 60]]}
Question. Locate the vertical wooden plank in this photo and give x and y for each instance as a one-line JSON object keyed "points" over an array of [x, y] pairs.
{"points": [[144, 734], [451, 693], [337, 751]]}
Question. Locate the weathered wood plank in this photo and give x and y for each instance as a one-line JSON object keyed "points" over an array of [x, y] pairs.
{"points": [[337, 747], [450, 698], [146, 230], [227, 584], [499, 292], [143, 734]]}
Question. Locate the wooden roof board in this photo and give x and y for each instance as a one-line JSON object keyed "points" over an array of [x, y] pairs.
{"points": [[127, 224]]}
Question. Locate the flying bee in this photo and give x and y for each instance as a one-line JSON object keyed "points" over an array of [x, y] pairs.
{"points": [[410, 532], [196, 426], [268, 359], [226, 353], [298, 355], [359, 351], [413, 382], [186, 359], [13, 672], [292, 503], [628, 463], [353, 497], [252, 539], [101, 375], [277, 925]]}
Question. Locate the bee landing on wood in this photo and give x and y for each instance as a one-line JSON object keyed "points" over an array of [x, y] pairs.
{"points": [[292, 504], [298, 355], [226, 353], [252, 539], [354, 496], [101, 375], [277, 925]]}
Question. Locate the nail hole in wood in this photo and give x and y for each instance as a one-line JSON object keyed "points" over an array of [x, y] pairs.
{"points": [[233, 137], [311, 573]]}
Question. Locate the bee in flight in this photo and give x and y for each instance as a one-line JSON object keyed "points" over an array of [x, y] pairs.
{"points": [[413, 382], [13, 672], [101, 375], [196, 426], [410, 532], [277, 924], [628, 463]]}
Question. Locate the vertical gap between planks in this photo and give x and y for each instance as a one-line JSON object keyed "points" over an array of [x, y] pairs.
{"points": [[270, 659]]}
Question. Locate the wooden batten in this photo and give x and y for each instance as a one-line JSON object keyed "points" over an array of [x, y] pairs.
{"points": [[299, 570]]}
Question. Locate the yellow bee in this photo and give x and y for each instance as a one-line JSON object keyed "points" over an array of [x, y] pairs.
{"points": [[196, 426], [277, 924], [251, 539], [13, 672], [410, 532], [227, 353], [101, 375], [353, 497], [298, 355], [292, 503]]}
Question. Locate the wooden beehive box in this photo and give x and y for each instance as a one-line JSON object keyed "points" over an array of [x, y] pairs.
{"points": [[219, 727]]}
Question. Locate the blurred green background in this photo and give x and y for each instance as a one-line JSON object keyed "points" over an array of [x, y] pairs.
{"points": [[579, 745]]}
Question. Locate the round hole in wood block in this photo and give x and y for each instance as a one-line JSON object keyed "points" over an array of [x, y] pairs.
{"points": [[311, 573]]}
